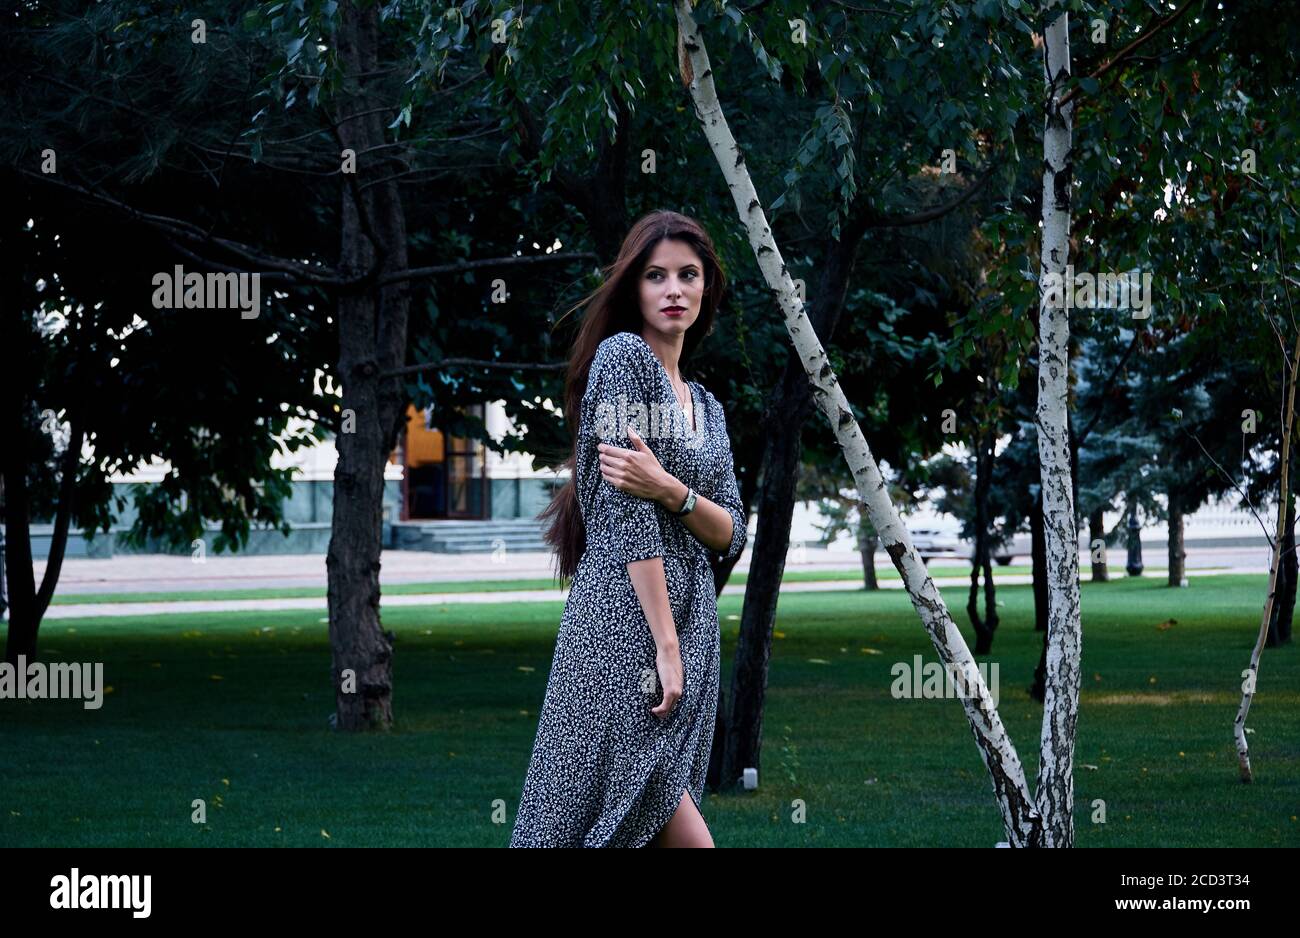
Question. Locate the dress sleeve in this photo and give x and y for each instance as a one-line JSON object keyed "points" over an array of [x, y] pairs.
{"points": [[727, 494], [616, 384]]}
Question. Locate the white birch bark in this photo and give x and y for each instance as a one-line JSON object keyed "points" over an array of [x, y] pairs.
{"points": [[1251, 676], [1019, 815], [1055, 795]]}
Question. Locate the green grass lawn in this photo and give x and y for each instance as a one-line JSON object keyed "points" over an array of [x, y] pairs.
{"points": [[232, 709], [485, 586]]}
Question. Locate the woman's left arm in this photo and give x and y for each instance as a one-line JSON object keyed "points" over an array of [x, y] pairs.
{"points": [[713, 525], [726, 491]]}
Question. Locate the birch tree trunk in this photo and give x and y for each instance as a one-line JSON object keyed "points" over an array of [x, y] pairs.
{"points": [[1055, 796], [1019, 815], [1251, 675]]}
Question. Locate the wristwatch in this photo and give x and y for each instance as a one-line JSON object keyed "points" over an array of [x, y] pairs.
{"points": [[688, 505]]}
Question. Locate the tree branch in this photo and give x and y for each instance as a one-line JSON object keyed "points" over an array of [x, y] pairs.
{"points": [[288, 272], [421, 273], [1082, 438], [1122, 54], [472, 363], [934, 212], [855, 9], [568, 183], [195, 235]]}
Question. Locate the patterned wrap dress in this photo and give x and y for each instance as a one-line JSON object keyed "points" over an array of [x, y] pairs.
{"points": [[605, 771]]}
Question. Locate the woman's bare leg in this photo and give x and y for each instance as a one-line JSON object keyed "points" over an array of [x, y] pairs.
{"points": [[685, 828]]}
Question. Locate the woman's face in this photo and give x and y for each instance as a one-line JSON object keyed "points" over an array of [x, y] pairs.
{"points": [[672, 288]]}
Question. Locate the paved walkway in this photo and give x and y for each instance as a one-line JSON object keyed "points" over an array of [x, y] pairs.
{"points": [[162, 573], [851, 582]]}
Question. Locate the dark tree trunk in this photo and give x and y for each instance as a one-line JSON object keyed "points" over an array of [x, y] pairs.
{"points": [[868, 544], [4, 590], [23, 621], [781, 462], [990, 594], [27, 604], [1134, 567], [14, 338], [722, 573], [1289, 559], [1038, 689], [789, 406], [1279, 627], [372, 340], [984, 626], [1177, 555], [1038, 557], [1097, 532]]}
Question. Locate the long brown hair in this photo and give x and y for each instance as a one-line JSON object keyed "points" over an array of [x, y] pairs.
{"points": [[615, 306]]}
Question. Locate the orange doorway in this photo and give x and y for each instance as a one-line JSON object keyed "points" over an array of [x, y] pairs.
{"points": [[444, 476]]}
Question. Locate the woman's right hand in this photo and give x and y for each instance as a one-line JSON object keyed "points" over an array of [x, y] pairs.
{"points": [[668, 662]]}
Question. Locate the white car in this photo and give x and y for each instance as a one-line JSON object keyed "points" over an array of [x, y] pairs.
{"points": [[931, 542], [1020, 546]]}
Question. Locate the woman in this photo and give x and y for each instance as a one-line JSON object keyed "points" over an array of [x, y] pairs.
{"points": [[626, 725]]}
